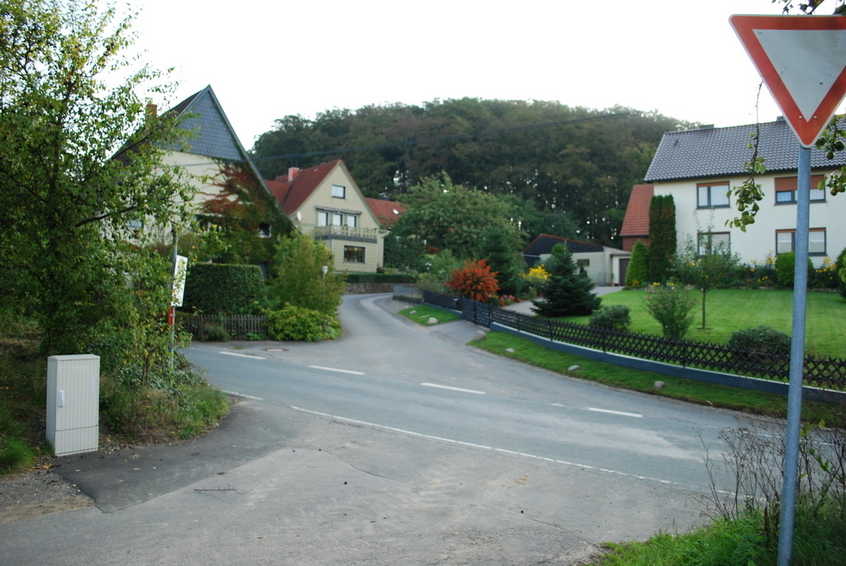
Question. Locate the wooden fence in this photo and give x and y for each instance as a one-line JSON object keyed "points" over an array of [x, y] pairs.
{"points": [[214, 327]]}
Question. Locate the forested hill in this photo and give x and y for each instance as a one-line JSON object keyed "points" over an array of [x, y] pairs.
{"points": [[580, 161]]}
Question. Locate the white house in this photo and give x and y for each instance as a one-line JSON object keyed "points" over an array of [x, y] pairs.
{"points": [[699, 167]]}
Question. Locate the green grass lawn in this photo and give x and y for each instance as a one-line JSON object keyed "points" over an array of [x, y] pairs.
{"points": [[422, 313], [728, 310]]}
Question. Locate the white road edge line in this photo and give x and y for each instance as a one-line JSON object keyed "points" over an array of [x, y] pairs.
{"points": [[242, 355], [243, 395], [621, 413], [338, 370], [501, 450], [392, 429], [473, 391]]}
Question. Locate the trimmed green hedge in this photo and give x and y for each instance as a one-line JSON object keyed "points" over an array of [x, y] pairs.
{"points": [[353, 278], [219, 288]]}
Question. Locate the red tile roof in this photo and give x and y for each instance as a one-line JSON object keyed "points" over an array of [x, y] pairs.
{"points": [[636, 221], [292, 194], [386, 211]]}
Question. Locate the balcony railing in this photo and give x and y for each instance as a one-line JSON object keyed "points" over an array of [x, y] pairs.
{"points": [[351, 233]]}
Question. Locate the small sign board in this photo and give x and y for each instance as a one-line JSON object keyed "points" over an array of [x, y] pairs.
{"points": [[802, 60], [180, 271]]}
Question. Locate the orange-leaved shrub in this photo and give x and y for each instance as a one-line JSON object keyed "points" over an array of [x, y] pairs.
{"points": [[474, 280]]}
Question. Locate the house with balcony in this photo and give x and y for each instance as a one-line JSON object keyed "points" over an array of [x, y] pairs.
{"points": [[699, 167], [325, 202]]}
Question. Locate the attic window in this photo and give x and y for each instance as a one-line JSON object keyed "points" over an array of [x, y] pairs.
{"points": [[264, 230], [339, 191]]}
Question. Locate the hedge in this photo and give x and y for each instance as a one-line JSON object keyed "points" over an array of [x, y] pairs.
{"points": [[219, 288], [353, 278]]}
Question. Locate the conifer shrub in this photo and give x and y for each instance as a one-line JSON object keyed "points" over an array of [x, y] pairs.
{"points": [[638, 272], [566, 292]]}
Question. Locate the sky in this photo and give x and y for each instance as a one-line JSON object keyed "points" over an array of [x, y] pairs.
{"points": [[266, 60]]}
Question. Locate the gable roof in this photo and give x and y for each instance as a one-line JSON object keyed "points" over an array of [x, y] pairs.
{"points": [[215, 136], [386, 211], [544, 243], [711, 152], [291, 194], [636, 221]]}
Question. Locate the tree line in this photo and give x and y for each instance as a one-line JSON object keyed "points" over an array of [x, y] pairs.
{"points": [[573, 163]]}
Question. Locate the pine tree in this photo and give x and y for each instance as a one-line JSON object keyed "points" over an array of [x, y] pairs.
{"points": [[566, 292]]}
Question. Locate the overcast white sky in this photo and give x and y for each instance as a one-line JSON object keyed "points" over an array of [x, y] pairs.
{"points": [[266, 59]]}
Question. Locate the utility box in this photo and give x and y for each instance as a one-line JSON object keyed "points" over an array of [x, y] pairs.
{"points": [[73, 403]]}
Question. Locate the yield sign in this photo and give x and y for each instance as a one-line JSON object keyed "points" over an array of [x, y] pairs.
{"points": [[802, 60]]}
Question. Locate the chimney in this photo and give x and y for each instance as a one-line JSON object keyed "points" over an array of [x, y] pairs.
{"points": [[292, 173], [152, 110]]}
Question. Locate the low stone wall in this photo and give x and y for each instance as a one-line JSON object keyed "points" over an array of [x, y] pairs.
{"points": [[368, 288]]}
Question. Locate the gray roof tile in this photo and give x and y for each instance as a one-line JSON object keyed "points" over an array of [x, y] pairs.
{"points": [[712, 152]]}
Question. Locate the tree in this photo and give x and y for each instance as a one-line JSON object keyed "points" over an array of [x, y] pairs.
{"points": [[566, 292], [662, 236], [66, 206], [451, 217], [570, 163], [501, 250], [705, 266], [299, 279], [638, 272]]}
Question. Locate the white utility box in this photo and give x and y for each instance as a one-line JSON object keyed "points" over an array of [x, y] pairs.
{"points": [[73, 403]]}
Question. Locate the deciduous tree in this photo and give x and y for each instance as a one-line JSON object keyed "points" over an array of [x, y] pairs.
{"points": [[66, 205]]}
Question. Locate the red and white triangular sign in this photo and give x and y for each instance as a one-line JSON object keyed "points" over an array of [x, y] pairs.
{"points": [[802, 60]]}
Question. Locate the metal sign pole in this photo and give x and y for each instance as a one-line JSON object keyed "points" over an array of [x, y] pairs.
{"points": [[797, 359]]}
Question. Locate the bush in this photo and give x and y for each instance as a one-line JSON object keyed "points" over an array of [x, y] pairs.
{"points": [[300, 324], [760, 340], [218, 288], [299, 279], [785, 267], [474, 281], [840, 266], [638, 271], [615, 317], [672, 306]]}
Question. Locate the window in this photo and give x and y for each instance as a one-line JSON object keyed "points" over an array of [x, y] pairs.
{"points": [[713, 242], [583, 262], [339, 191], [786, 241], [351, 220], [264, 230], [712, 196], [786, 187], [354, 254]]}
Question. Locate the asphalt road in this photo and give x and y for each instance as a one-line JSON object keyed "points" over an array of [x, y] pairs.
{"points": [[396, 444]]}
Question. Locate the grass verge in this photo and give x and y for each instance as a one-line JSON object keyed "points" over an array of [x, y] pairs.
{"points": [[422, 313], [753, 402], [176, 404]]}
